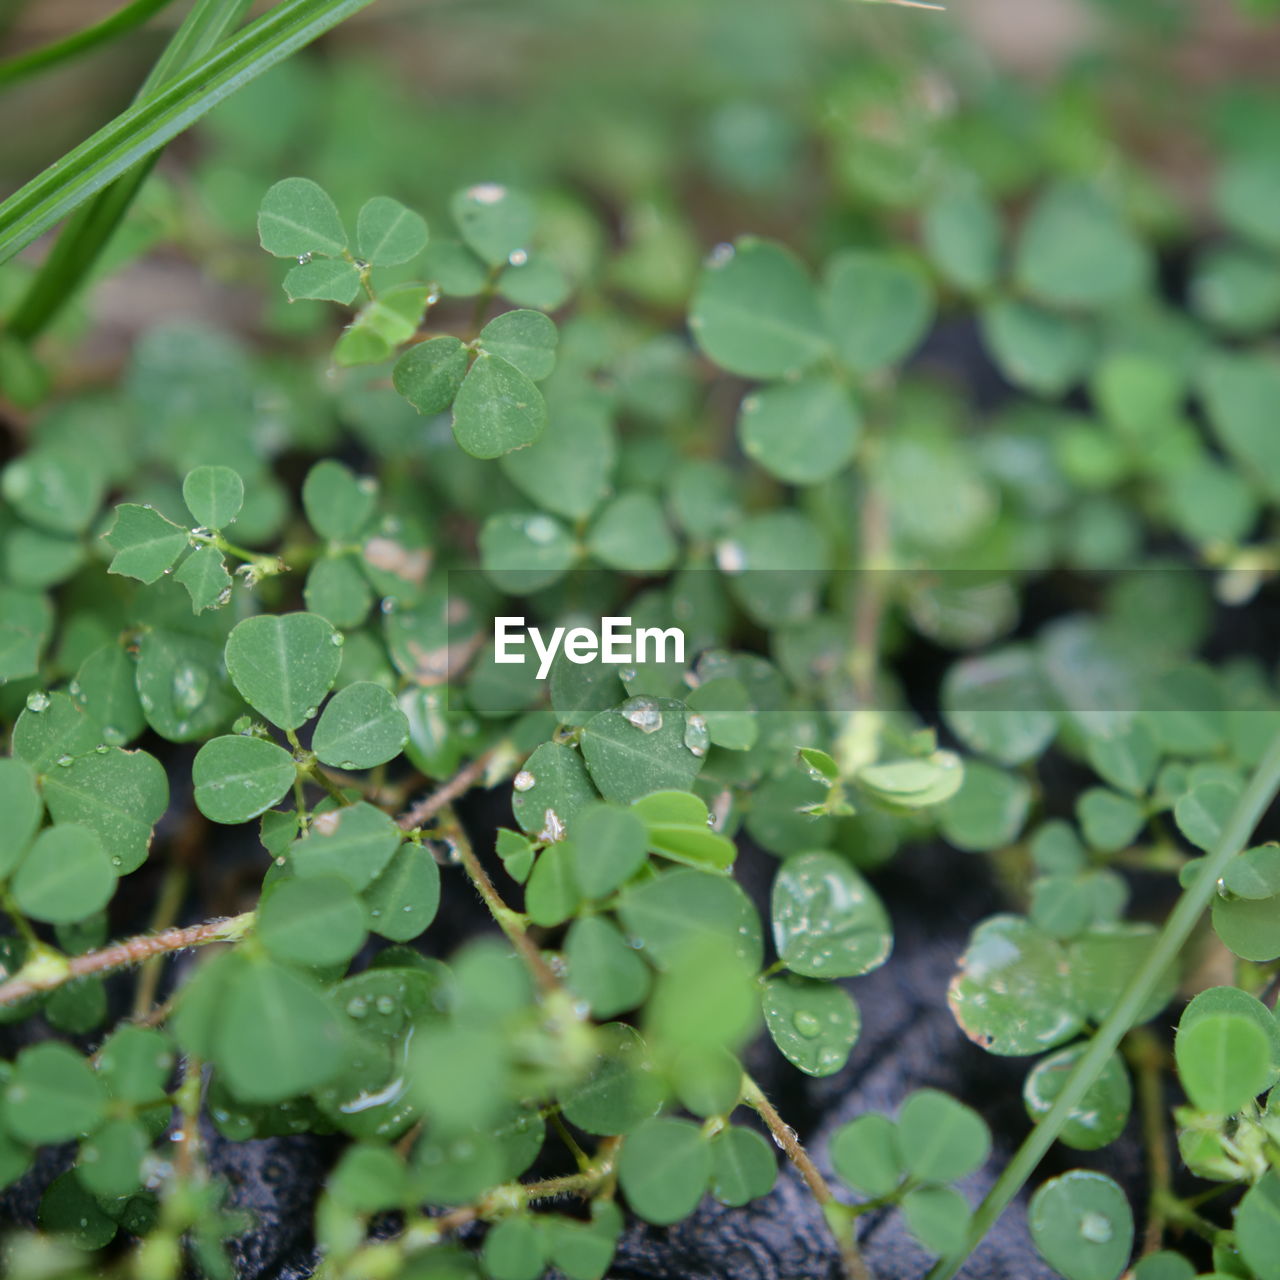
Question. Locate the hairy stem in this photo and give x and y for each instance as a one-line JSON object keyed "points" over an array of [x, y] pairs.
{"points": [[459, 784], [1249, 809], [46, 976], [838, 1216]]}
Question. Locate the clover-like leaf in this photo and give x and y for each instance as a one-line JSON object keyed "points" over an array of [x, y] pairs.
{"points": [[145, 543], [65, 875], [387, 233], [298, 218], [497, 409], [361, 726], [236, 778], [814, 1024], [283, 665]]}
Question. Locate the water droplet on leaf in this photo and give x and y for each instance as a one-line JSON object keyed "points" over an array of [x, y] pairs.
{"points": [[37, 701], [644, 713], [524, 781]]}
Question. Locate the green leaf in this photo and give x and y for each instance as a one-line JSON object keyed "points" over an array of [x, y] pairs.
{"points": [[631, 534], [388, 234], [878, 308], [494, 221], [962, 232], [284, 664], [538, 282], [525, 339], [827, 920], [65, 876], [552, 895], [867, 1154], [53, 1096], [1075, 251], [664, 1169], [567, 471], [1082, 1225], [1254, 874], [277, 1035], [323, 280], [638, 748], [524, 552], [120, 795], [1037, 350], [551, 790], [54, 489], [338, 591], [938, 1217], [1108, 820], [1104, 959], [1238, 392], [1012, 995], [454, 268], [999, 704], [360, 727], [755, 311], [516, 1248], [1126, 759], [602, 969], [1224, 1061], [677, 827], [1233, 1000], [802, 432], [725, 706], [497, 409], [204, 574], [1258, 1227], [988, 811], [26, 621], [619, 1091], [1100, 1116], [20, 803], [317, 921], [1246, 193], [110, 1163], [297, 218], [429, 374], [338, 503], [814, 1024], [942, 1140], [609, 846], [404, 898], [50, 728], [743, 1166], [134, 1063], [1202, 812], [214, 496], [679, 910], [236, 778], [144, 542], [354, 842]]}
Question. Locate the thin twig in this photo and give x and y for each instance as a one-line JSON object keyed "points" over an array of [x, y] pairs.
{"points": [[785, 1136], [1147, 1059], [459, 784], [46, 975]]}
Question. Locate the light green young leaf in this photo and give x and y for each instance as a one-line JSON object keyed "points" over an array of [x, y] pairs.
{"points": [[214, 496], [204, 574], [65, 876]]}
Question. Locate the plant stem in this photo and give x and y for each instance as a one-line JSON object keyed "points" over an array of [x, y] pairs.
{"points": [[839, 1216], [1245, 816], [510, 922], [461, 782], [120, 955], [172, 890], [1147, 1059]]}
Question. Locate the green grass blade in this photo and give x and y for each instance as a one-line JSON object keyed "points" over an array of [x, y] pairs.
{"points": [[145, 127], [125, 19]]}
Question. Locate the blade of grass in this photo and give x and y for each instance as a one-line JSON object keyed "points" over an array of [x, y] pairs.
{"points": [[1249, 809], [128, 18], [145, 127], [89, 229]]}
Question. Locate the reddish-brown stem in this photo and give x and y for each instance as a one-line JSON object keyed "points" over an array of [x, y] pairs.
{"points": [[460, 783]]}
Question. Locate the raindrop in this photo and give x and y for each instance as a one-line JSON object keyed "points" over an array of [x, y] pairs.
{"points": [[720, 256], [337, 639], [487, 193], [310, 712], [627, 674], [518, 257], [64, 761], [524, 781], [102, 748], [730, 557], [357, 1007], [303, 259], [644, 713], [806, 1024], [696, 736], [1095, 1228], [388, 604], [37, 701], [385, 1004], [433, 297], [540, 529]]}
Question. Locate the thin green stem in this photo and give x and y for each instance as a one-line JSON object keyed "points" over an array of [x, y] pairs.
{"points": [[1249, 809], [124, 19]]}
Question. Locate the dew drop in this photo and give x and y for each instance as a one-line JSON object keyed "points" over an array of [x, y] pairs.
{"points": [[524, 781], [385, 1004], [540, 529], [487, 193], [357, 1007], [806, 1024], [310, 712], [644, 713], [1095, 1228], [102, 748], [730, 557], [303, 259], [720, 256], [37, 701], [64, 761], [337, 639], [190, 687], [388, 604], [518, 257], [696, 735], [627, 674]]}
